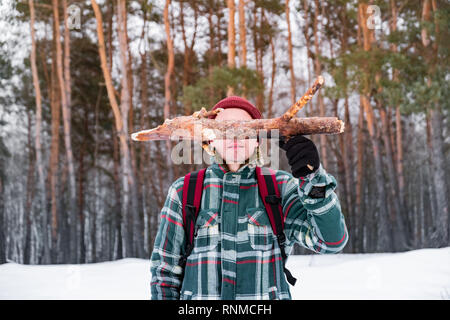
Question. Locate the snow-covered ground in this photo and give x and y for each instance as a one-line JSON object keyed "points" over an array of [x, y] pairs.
{"points": [[419, 274]]}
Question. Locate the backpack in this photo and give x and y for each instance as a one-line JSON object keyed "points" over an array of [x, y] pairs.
{"points": [[268, 190]]}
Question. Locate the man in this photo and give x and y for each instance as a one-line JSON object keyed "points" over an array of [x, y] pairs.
{"points": [[235, 254]]}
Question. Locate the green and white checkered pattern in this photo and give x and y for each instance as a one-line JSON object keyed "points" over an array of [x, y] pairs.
{"points": [[236, 255]]}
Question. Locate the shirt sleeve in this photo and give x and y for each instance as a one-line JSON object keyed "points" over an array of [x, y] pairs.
{"points": [[166, 274], [315, 223]]}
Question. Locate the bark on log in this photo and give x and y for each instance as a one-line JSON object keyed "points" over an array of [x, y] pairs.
{"points": [[189, 128], [198, 127]]}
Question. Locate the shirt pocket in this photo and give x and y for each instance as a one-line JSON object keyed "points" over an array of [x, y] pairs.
{"points": [[260, 232], [207, 230]]}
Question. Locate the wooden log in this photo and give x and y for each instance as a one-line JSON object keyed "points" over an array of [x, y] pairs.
{"points": [[187, 127], [198, 127]]}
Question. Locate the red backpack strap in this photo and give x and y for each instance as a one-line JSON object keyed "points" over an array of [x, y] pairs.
{"points": [[270, 195], [192, 196]]}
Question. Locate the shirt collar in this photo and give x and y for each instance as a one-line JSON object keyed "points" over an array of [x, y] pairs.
{"points": [[220, 168]]}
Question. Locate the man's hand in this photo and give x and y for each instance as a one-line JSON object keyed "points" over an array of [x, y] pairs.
{"points": [[302, 155]]}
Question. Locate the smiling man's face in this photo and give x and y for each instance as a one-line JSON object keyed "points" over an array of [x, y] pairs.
{"points": [[233, 150]]}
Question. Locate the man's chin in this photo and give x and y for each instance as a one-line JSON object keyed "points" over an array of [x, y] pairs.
{"points": [[235, 160]]}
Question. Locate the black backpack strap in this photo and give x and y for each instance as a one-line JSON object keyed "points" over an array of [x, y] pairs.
{"points": [[192, 196], [268, 190]]}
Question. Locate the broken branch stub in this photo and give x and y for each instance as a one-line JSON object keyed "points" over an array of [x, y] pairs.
{"points": [[199, 127], [295, 108]]}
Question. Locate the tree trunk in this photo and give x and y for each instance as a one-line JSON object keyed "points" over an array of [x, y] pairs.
{"points": [[349, 163], [168, 83], [97, 245], [53, 174], [188, 52], [38, 145], [143, 161], [348, 139], [308, 48], [115, 236], [400, 234], [242, 35], [242, 41], [260, 71], [399, 154], [143, 182], [72, 237], [258, 61], [66, 120], [436, 117], [187, 108], [211, 40], [360, 172], [67, 76], [231, 41], [318, 70], [29, 210], [3, 255], [272, 79], [84, 256], [137, 223], [341, 159], [134, 237], [398, 120], [432, 217], [385, 232], [438, 173], [105, 69], [121, 123], [109, 35], [219, 37], [161, 170], [291, 58], [117, 214]]}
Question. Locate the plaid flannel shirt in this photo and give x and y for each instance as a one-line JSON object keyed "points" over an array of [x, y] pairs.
{"points": [[236, 254]]}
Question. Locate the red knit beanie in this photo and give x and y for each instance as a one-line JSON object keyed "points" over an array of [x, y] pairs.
{"points": [[237, 102]]}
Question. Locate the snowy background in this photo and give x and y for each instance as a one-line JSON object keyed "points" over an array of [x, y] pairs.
{"points": [[419, 274]]}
